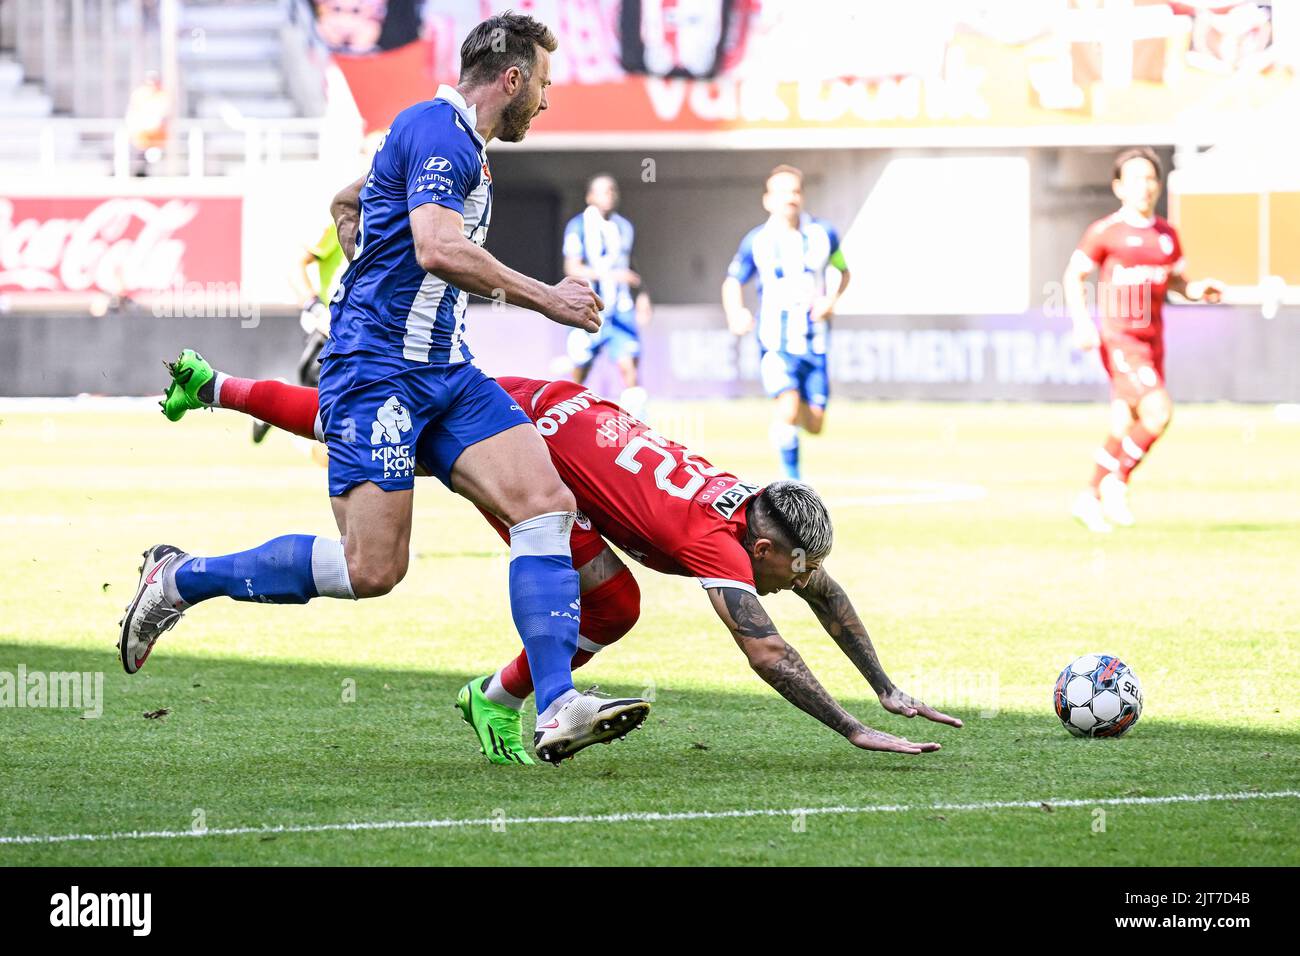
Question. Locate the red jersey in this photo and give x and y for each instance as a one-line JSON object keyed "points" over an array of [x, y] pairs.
{"points": [[1136, 260], [655, 499]]}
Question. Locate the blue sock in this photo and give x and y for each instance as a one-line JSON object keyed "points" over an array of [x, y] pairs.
{"points": [[786, 439], [544, 600], [291, 569]]}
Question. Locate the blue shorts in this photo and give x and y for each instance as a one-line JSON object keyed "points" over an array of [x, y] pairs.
{"points": [[374, 408], [619, 337], [782, 371]]}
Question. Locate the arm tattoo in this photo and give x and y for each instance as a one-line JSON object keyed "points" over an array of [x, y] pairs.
{"points": [[835, 611], [790, 677], [788, 674], [751, 621]]}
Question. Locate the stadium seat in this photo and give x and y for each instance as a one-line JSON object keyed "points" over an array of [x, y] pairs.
{"points": [[239, 63]]}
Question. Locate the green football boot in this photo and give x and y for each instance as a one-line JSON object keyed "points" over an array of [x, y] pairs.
{"points": [[497, 726], [190, 373]]}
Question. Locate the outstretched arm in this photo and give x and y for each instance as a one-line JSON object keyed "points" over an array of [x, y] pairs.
{"points": [[835, 611], [781, 666]]}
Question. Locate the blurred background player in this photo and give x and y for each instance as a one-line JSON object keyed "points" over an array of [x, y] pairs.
{"points": [[1140, 259], [789, 254], [148, 122], [329, 261], [598, 248]]}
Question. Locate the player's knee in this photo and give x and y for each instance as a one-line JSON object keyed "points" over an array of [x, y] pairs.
{"points": [[545, 499], [1156, 415], [367, 584], [816, 419], [372, 577]]}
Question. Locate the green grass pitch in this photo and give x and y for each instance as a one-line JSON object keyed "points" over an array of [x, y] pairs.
{"points": [[952, 537]]}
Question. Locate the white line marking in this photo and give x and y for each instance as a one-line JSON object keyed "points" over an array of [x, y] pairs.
{"points": [[636, 817]]}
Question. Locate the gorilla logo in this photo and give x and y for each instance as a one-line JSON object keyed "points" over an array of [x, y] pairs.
{"points": [[390, 421]]}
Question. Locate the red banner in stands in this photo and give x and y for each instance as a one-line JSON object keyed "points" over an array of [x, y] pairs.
{"points": [[118, 245], [729, 71]]}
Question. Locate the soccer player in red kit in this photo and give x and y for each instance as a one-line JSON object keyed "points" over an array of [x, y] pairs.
{"points": [[1140, 259], [675, 513]]}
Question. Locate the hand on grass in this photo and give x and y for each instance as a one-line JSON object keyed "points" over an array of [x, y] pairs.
{"points": [[868, 739], [905, 705]]}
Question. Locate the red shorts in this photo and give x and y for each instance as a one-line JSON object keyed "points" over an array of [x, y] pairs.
{"points": [[584, 541], [1136, 367]]}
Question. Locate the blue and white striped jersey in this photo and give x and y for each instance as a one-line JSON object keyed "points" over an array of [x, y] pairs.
{"points": [[385, 303], [791, 268], [604, 245]]}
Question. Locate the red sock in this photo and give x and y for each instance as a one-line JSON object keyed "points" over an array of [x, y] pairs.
{"points": [[609, 611], [1108, 461], [1134, 448], [516, 678], [290, 407]]}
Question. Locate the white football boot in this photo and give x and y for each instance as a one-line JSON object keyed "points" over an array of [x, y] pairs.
{"points": [[1114, 501], [150, 613], [585, 719], [1087, 511]]}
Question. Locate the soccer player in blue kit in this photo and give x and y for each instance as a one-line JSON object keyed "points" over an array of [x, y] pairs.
{"points": [[789, 254], [598, 247], [397, 367]]}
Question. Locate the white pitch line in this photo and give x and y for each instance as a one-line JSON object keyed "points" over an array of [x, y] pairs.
{"points": [[362, 825]]}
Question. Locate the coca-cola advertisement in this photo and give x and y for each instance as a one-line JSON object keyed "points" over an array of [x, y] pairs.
{"points": [[118, 245]]}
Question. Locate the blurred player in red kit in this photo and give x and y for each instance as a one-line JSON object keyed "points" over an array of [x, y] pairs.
{"points": [[1140, 259]]}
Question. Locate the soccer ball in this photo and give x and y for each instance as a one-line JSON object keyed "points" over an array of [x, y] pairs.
{"points": [[1098, 696]]}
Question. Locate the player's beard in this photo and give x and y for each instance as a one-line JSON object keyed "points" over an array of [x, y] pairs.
{"points": [[516, 117]]}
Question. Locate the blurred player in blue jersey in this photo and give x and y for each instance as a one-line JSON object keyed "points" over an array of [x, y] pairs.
{"points": [[598, 248], [397, 369], [789, 254]]}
